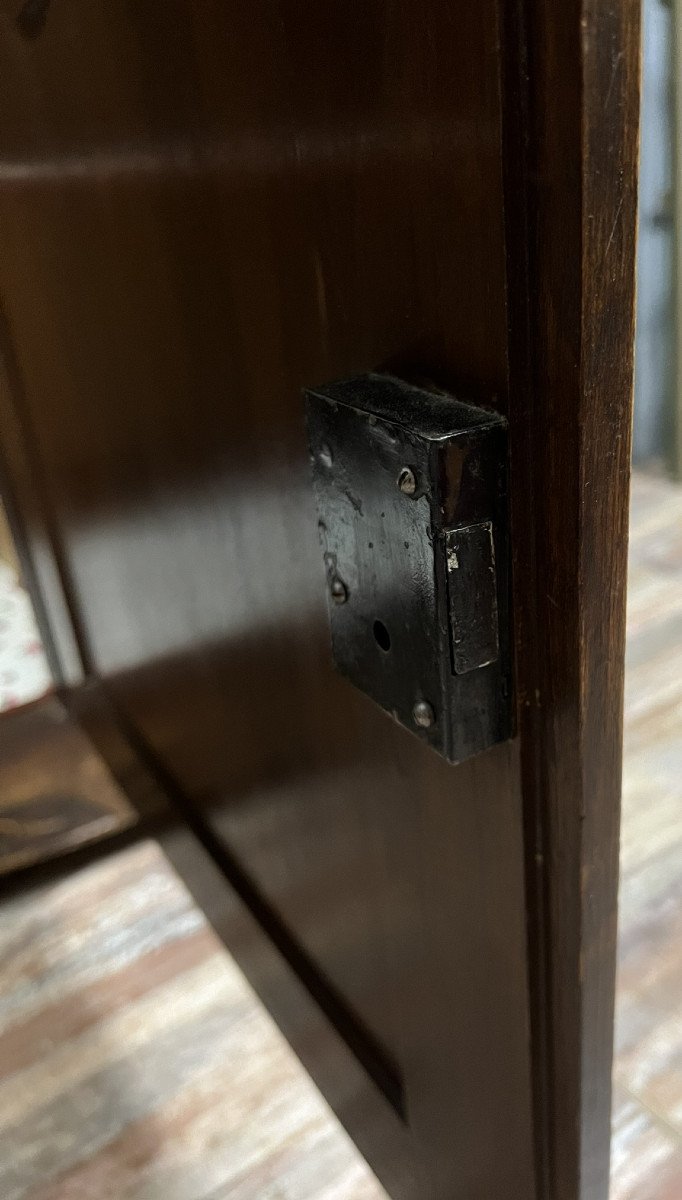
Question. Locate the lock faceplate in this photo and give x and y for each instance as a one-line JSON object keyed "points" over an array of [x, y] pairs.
{"points": [[411, 490]]}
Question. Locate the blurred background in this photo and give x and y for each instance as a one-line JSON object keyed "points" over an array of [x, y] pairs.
{"points": [[657, 440], [135, 1062]]}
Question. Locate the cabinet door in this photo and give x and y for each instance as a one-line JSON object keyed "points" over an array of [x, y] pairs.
{"points": [[205, 208]]}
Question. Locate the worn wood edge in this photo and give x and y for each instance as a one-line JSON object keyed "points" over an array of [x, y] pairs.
{"points": [[611, 77], [571, 129]]}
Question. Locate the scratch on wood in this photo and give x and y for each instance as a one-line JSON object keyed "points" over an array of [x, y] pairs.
{"points": [[613, 227], [614, 71]]}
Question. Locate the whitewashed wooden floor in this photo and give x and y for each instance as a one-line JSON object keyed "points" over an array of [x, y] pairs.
{"points": [[136, 1064], [647, 1115]]}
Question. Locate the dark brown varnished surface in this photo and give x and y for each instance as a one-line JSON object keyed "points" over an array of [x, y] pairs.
{"points": [[572, 109], [203, 209]]}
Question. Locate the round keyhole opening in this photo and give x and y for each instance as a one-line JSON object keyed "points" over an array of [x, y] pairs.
{"points": [[382, 636]]}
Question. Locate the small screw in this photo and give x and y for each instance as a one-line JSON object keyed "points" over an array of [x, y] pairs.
{"points": [[326, 456], [407, 481], [339, 591], [423, 715]]}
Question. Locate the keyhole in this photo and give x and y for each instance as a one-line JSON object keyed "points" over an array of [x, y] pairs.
{"points": [[382, 636]]}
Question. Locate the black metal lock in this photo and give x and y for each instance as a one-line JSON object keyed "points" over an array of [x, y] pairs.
{"points": [[411, 489]]}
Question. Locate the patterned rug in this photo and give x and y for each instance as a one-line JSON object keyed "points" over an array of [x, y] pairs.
{"points": [[24, 673]]}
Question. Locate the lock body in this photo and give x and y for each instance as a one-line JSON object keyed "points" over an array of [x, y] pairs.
{"points": [[411, 492]]}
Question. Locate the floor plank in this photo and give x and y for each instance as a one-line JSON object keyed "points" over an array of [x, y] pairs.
{"points": [[145, 1067], [136, 1063], [55, 791], [647, 1148]]}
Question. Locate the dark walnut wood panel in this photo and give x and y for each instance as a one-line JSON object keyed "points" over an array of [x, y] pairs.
{"points": [[572, 107], [209, 209], [205, 208]]}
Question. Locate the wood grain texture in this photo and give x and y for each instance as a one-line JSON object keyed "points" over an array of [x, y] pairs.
{"points": [[119, 949], [204, 209], [56, 793], [572, 117], [135, 1061]]}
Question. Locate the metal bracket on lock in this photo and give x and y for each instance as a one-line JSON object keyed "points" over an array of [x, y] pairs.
{"points": [[411, 490]]}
